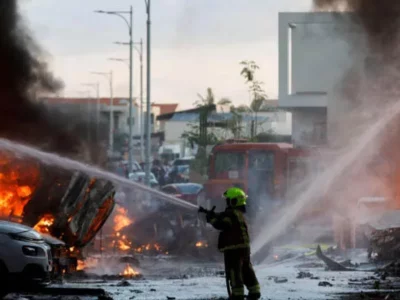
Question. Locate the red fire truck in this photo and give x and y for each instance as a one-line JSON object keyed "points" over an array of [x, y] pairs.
{"points": [[263, 170]]}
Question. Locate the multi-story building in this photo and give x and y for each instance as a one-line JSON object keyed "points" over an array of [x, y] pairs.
{"points": [[314, 56], [87, 109]]}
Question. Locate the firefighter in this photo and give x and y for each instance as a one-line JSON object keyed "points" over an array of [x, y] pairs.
{"points": [[234, 242]]}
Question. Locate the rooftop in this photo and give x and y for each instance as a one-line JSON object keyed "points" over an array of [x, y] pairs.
{"points": [[117, 101]]}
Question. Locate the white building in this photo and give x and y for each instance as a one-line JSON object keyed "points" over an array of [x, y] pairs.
{"points": [[314, 56], [86, 108], [273, 121]]}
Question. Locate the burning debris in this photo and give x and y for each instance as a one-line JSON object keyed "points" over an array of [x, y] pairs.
{"points": [[121, 219], [129, 272], [44, 224]]}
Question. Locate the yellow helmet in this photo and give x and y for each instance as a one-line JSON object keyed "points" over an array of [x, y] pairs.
{"points": [[235, 197]]}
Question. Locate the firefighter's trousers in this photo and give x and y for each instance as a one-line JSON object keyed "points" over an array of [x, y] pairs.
{"points": [[240, 272]]}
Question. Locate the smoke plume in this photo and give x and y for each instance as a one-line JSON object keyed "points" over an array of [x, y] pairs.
{"points": [[24, 75], [380, 19], [369, 89]]}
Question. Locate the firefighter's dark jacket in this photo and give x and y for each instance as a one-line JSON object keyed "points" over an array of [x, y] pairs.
{"points": [[234, 232]]}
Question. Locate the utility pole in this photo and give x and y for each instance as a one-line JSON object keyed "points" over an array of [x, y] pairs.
{"points": [[130, 143], [141, 102], [96, 87], [141, 117], [148, 103], [109, 76], [111, 115], [129, 23]]}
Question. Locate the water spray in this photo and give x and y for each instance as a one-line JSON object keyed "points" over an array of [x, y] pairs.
{"points": [[66, 163], [324, 181]]}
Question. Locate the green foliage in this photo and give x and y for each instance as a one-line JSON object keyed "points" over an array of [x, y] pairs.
{"points": [[255, 87], [205, 100]]}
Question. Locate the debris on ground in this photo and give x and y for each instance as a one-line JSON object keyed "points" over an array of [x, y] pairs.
{"points": [[325, 283], [302, 275], [280, 280], [123, 283]]}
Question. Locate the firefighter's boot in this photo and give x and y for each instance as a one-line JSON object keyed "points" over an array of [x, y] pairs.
{"points": [[254, 296]]}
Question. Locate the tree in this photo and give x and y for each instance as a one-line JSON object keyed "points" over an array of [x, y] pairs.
{"points": [[258, 95], [207, 100], [198, 133]]}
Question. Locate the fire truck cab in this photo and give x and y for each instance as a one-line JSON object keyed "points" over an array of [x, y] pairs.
{"points": [[262, 170]]}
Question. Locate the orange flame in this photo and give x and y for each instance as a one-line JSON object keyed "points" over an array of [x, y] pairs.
{"points": [[44, 224], [18, 179], [88, 263], [129, 271], [148, 247], [121, 220], [124, 246], [201, 244]]}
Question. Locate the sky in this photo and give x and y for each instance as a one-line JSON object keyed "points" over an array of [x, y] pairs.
{"points": [[196, 44]]}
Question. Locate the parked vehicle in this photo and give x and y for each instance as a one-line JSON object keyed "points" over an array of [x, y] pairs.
{"points": [[140, 177], [185, 191], [184, 161], [178, 174], [25, 257]]}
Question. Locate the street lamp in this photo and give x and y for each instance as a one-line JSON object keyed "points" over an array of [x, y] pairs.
{"points": [[109, 76], [86, 94], [96, 87], [148, 121], [140, 52], [129, 23], [125, 61]]}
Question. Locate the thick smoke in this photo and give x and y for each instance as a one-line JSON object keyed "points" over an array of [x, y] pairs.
{"points": [[24, 75], [362, 159], [368, 89], [380, 19]]}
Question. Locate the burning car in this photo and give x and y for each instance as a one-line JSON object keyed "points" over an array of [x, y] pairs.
{"points": [[24, 255], [70, 206]]}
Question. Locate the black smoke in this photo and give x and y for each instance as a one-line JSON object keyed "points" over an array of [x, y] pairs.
{"points": [[379, 18], [24, 76]]}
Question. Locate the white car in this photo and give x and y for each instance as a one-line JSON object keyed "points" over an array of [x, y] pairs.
{"points": [[24, 255]]}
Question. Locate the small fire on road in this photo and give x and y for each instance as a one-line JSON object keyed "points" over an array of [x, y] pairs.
{"points": [[129, 272]]}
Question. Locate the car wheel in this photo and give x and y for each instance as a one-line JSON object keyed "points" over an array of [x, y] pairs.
{"points": [[3, 278]]}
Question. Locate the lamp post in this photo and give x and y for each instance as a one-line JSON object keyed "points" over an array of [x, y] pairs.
{"points": [[140, 52], [86, 94], [109, 76], [96, 87], [148, 121], [129, 23]]}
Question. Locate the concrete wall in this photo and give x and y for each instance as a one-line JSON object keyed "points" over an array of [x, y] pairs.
{"points": [[313, 56], [309, 126], [121, 113]]}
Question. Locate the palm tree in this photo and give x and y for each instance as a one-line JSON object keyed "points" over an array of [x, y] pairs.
{"points": [[256, 91], [209, 99], [249, 68]]}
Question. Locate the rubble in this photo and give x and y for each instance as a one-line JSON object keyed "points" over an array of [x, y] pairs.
{"points": [[280, 280], [302, 275], [325, 283]]}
